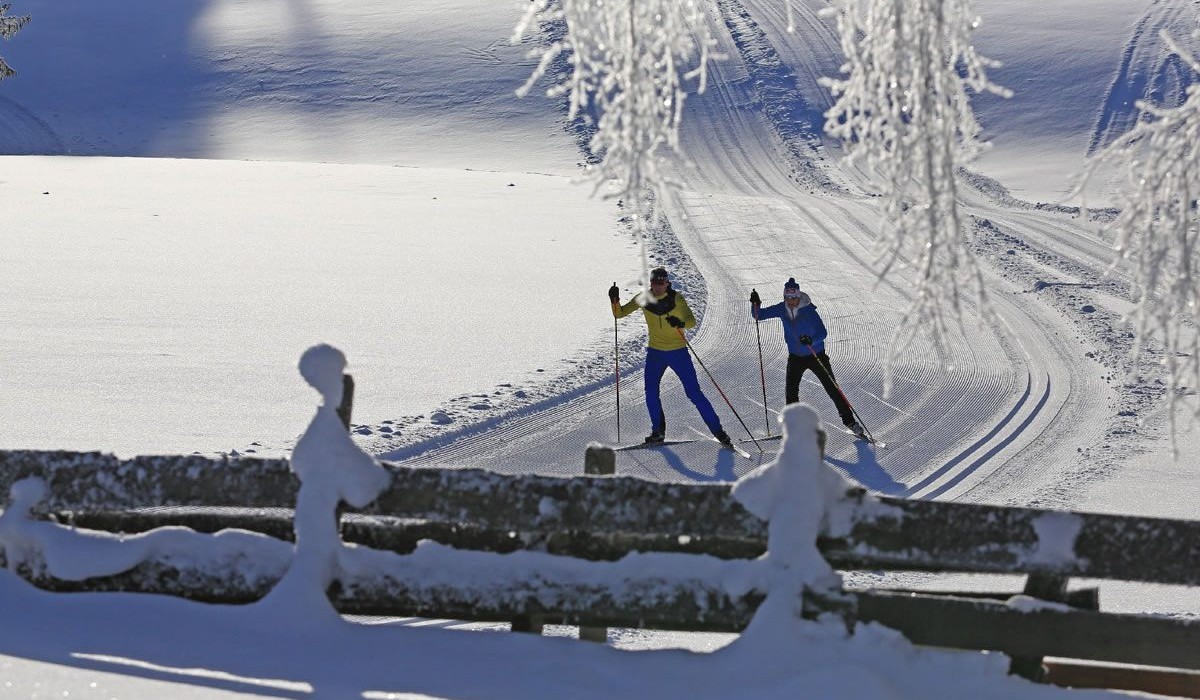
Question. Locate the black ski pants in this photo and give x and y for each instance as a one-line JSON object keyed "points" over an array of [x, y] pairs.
{"points": [[797, 364]]}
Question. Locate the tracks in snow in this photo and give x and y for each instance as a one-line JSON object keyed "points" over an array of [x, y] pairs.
{"points": [[999, 408]]}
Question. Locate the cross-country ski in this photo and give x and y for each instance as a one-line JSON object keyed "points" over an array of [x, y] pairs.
{"points": [[729, 445], [652, 445]]}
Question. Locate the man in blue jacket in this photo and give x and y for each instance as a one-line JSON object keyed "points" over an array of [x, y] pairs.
{"points": [[805, 334]]}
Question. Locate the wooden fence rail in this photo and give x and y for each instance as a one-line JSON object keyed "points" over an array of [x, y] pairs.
{"points": [[606, 517], [603, 519], [88, 482]]}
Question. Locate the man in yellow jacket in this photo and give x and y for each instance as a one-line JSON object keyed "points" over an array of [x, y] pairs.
{"points": [[666, 318]]}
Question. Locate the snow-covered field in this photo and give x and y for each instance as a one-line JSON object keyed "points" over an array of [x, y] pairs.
{"points": [[176, 294], [232, 182]]}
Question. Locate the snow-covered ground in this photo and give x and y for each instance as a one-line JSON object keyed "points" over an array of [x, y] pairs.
{"points": [[175, 295], [363, 175]]}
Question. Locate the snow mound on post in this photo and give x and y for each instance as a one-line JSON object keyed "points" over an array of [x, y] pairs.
{"points": [[322, 367], [325, 455], [792, 493], [331, 469]]}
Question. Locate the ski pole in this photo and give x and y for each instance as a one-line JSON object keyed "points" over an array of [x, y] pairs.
{"points": [[829, 375], [762, 373], [617, 370], [719, 390]]}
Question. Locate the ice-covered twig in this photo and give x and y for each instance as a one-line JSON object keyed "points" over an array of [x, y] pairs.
{"points": [[903, 110], [1156, 229]]}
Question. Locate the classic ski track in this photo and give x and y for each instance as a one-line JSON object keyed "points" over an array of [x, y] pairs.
{"points": [[947, 432], [820, 57], [1063, 240], [953, 395]]}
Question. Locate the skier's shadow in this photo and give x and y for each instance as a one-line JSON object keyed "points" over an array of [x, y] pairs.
{"points": [[865, 470], [722, 471]]}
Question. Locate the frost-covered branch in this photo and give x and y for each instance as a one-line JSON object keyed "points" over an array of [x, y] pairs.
{"points": [[1157, 227], [903, 110], [630, 60], [8, 27]]}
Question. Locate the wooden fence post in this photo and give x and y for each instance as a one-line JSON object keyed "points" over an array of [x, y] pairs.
{"points": [[531, 624], [343, 410], [347, 405], [1049, 587], [598, 460]]}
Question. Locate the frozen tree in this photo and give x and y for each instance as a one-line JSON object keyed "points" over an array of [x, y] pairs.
{"points": [[8, 27], [1156, 229], [630, 61], [903, 110]]}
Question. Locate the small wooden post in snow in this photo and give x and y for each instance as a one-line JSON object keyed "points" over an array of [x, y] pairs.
{"points": [[344, 410], [347, 404]]}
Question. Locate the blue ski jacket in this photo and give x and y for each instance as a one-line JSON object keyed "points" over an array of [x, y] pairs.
{"points": [[807, 322]]}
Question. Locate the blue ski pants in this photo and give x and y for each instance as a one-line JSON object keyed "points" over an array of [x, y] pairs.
{"points": [[657, 362]]}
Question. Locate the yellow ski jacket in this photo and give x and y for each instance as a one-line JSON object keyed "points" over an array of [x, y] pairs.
{"points": [[663, 335]]}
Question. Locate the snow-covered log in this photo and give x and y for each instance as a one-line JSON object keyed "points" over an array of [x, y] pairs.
{"points": [[642, 590], [91, 481], [401, 535], [524, 503], [606, 517], [941, 536], [724, 602], [1025, 627]]}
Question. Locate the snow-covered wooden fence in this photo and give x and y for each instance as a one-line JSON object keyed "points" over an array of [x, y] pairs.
{"points": [[593, 551], [605, 519]]}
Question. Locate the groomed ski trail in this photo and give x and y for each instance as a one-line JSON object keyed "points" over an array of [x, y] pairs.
{"points": [[1010, 400]]}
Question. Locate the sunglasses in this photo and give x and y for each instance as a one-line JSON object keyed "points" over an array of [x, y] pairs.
{"points": [[661, 280]]}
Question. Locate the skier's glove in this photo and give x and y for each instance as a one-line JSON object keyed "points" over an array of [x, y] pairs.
{"points": [[675, 322], [614, 294], [754, 298], [806, 340]]}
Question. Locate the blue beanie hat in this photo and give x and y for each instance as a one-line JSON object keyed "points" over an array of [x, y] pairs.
{"points": [[790, 284]]}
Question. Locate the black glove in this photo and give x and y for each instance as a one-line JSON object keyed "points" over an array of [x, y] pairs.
{"points": [[614, 294], [754, 299], [806, 340], [675, 322]]}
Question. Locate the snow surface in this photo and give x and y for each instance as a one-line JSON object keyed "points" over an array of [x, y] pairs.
{"points": [[175, 295], [159, 305]]}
